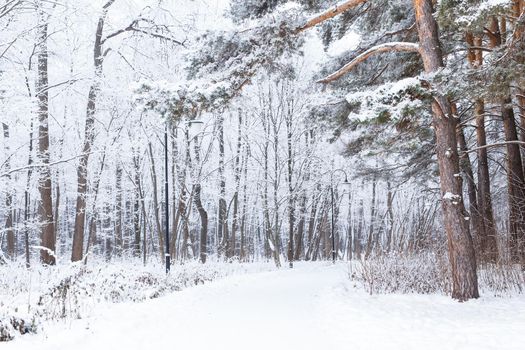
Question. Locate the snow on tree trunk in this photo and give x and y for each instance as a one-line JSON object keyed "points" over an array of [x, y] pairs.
{"points": [[461, 249]]}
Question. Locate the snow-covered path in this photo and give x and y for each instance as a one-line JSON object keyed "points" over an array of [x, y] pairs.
{"points": [[310, 307]]}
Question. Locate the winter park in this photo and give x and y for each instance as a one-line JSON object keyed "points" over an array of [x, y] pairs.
{"points": [[263, 174]]}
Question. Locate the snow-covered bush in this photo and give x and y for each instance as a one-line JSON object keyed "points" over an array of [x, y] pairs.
{"points": [[12, 325], [28, 297], [428, 273], [423, 273], [501, 280]]}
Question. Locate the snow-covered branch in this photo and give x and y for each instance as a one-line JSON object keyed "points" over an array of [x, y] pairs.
{"points": [[388, 47], [133, 27], [39, 165], [497, 144], [330, 13]]}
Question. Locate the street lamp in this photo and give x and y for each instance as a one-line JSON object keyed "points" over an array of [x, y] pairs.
{"points": [[195, 127], [345, 185], [166, 193]]}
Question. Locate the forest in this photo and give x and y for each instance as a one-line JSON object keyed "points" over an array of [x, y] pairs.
{"points": [[208, 134]]}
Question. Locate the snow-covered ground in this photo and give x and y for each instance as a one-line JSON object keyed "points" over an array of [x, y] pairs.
{"points": [[313, 306]]}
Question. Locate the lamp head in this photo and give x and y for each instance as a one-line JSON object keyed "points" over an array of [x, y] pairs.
{"points": [[195, 127], [346, 185]]}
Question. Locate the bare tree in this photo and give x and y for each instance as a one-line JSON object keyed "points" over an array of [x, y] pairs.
{"points": [[89, 138], [47, 252], [11, 253]]}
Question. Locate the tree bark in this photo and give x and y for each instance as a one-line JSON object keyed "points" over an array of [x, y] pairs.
{"points": [[515, 174], [269, 236], [477, 226], [156, 204], [203, 214], [11, 253], [461, 249], [243, 252], [516, 184], [89, 138], [237, 169], [390, 216], [92, 223], [222, 230], [291, 196], [370, 241], [27, 196], [47, 254], [487, 242], [118, 212], [175, 213], [136, 206]]}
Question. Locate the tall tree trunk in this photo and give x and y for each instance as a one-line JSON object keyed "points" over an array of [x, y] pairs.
{"points": [[291, 196], [92, 223], [370, 241], [204, 223], [316, 199], [136, 206], [516, 183], [243, 252], [184, 208], [11, 253], [487, 242], [156, 204], [301, 225], [222, 229], [175, 214], [477, 226], [489, 245], [276, 161], [203, 214], [47, 254], [27, 196], [358, 236], [515, 174], [520, 97], [108, 232], [461, 249], [237, 170], [118, 212], [390, 216], [269, 236], [89, 138]]}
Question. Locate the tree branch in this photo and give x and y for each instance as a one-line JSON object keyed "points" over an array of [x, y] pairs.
{"points": [[133, 28], [8, 7], [330, 13], [41, 165], [497, 144], [387, 47]]}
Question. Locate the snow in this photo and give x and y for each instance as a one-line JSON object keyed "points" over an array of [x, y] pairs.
{"points": [[348, 42], [313, 306], [380, 98], [454, 198], [475, 11]]}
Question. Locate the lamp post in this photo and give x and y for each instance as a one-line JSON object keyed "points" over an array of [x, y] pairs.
{"points": [[166, 193], [344, 184]]}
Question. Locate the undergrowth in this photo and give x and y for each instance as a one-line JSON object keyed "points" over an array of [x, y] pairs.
{"points": [[429, 273], [30, 297]]}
